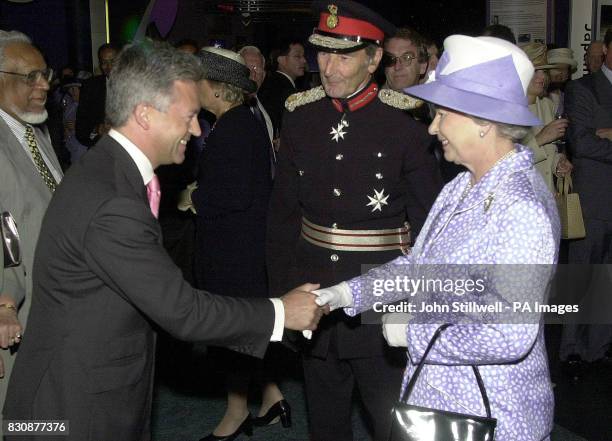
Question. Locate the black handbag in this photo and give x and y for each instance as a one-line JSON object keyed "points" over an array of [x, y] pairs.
{"points": [[416, 423], [10, 240]]}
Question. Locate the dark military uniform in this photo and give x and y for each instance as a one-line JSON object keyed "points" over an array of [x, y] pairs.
{"points": [[358, 164]]}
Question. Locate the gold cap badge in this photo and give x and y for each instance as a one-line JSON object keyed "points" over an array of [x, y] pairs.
{"points": [[332, 20]]}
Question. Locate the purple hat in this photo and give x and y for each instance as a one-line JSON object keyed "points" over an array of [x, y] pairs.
{"points": [[486, 77]]}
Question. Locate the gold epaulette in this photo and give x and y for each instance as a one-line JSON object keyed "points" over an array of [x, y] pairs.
{"points": [[308, 96], [398, 100]]}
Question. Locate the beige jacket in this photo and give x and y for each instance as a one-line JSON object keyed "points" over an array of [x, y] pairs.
{"points": [[546, 156]]}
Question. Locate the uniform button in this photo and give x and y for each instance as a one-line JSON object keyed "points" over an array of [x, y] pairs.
{"points": [[301, 172], [379, 175], [339, 157], [337, 192], [335, 225], [334, 257]]}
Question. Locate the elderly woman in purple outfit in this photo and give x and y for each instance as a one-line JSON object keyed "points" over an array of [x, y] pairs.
{"points": [[498, 212]]}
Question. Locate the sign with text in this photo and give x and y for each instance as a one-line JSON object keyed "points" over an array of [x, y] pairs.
{"points": [[528, 19], [581, 32]]}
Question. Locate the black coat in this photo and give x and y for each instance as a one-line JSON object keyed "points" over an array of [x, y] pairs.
{"points": [[101, 279], [273, 93], [588, 102], [231, 201], [91, 111], [383, 148]]}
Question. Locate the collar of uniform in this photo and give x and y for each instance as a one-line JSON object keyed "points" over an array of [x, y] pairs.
{"points": [[357, 100]]}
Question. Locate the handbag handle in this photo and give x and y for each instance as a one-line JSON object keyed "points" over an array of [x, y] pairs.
{"points": [[564, 185], [417, 372]]}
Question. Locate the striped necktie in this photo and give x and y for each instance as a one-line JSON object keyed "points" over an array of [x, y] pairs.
{"points": [[40, 163]]}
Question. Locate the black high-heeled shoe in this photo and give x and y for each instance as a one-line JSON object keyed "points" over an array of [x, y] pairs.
{"points": [[280, 409], [245, 427]]}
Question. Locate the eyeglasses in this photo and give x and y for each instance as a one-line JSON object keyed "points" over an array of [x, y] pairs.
{"points": [[389, 60], [33, 77]]}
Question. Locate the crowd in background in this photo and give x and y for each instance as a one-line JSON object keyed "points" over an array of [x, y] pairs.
{"points": [[249, 156]]}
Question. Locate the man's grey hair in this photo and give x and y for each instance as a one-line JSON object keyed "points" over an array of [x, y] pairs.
{"points": [[145, 73], [9, 37], [252, 50]]}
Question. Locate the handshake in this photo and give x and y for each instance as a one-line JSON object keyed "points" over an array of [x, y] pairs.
{"points": [[306, 304]]}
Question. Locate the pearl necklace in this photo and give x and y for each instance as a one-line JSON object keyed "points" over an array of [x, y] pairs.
{"points": [[470, 184]]}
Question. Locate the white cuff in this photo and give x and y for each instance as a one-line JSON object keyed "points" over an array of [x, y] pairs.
{"points": [[279, 320]]}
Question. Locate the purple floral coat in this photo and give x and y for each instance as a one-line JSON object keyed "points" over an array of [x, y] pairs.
{"points": [[508, 217]]}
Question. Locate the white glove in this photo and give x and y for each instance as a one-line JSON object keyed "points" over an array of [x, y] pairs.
{"points": [[184, 200], [337, 296], [394, 328]]}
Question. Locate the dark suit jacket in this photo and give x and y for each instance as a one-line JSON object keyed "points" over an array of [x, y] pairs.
{"points": [[273, 93], [588, 101], [91, 111], [101, 278]]}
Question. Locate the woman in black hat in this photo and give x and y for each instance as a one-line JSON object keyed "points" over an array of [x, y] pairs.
{"points": [[231, 201]]}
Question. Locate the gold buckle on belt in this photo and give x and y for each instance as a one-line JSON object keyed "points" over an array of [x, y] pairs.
{"points": [[357, 240]]}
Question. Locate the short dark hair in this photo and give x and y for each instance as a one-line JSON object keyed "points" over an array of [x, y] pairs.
{"points": [[608, 38], [499, 31], [282, 48], [407, 33], [107, 46]]}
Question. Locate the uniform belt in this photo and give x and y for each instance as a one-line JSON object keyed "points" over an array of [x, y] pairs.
{"points": [[357, 240]]}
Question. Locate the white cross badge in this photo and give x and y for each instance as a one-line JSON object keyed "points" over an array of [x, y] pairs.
{"points": [[338, 132], [378, 200]]}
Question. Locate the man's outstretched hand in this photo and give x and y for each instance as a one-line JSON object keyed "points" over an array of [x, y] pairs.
{"points": [[301, 311]]}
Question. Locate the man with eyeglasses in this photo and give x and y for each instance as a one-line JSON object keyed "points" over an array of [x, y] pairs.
{"points": [[354, 176], [405, 59], [29, 173], [90, 119]]}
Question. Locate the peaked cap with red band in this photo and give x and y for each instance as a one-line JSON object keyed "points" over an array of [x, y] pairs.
{"points": [[347, 26]]}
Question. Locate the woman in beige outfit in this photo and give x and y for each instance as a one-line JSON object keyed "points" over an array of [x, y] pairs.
{"points": [[547, 160]]}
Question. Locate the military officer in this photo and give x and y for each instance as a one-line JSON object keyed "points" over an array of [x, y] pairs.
{"points": [[355, 181]]}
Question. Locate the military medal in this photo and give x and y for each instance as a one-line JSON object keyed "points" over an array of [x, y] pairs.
{"points": [[332, 20], [378, 200], [338, 132]]}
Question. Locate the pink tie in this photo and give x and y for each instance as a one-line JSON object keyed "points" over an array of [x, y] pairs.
{"points": [[154, 195]]}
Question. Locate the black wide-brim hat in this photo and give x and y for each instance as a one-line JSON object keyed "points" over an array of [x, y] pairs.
{"points": [[347, 26], [226, 66]]}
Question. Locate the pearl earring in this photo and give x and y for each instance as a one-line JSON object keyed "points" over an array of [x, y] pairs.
{"points": [[216, 95], [482, 134]]}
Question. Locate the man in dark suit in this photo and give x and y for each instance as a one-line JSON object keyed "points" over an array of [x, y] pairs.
{"points": [[29, 172], [354, 175], [90, 122], [287, 64], [102, 277], [589, 107]]}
